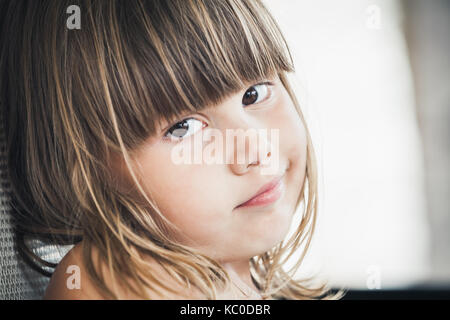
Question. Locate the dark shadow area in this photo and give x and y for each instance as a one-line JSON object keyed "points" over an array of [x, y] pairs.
{"points": [[416, 292]]}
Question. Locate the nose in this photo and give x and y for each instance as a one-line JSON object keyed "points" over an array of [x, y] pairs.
{"points": [[250, 149]]}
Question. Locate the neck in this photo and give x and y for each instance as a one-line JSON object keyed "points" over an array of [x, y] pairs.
{"points": [[240, 275]]}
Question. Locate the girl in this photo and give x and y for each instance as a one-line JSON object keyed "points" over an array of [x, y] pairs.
{"points": [[92, 118]]}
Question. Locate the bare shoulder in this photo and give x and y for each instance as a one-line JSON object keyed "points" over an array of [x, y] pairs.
{"points": [[70, 281], [63, 286]]}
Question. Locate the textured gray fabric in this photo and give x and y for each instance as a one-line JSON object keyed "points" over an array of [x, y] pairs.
{"points": [[17, 279]]}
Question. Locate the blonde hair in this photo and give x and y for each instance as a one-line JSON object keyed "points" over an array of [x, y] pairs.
{"points": [[74, 99]]}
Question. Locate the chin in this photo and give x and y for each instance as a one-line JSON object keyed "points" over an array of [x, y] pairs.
{"points": [[273, 237]]}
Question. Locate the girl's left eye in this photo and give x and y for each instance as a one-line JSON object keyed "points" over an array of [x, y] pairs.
{"points": [[184, 128], [256, 94]]}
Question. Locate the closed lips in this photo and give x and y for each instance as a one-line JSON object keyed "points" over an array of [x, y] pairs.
{"points": [[268, 193]]}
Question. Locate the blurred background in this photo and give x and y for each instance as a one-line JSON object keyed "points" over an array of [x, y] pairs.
{"points": [[373, 79]]}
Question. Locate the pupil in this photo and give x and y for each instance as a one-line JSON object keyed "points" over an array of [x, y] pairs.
{"points": [[178, 129], [250, 96]]}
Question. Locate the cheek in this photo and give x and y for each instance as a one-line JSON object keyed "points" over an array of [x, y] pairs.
{"points": [[293, 141], [293, 145], [187, 196]]}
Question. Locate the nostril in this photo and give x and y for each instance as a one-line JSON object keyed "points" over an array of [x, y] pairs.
{"points": [[254, 163]]}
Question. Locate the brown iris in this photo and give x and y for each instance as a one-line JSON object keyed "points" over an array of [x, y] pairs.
{"points": [[250, 96]]}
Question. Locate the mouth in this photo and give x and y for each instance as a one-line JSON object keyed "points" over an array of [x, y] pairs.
{"points": [[267, 194]]}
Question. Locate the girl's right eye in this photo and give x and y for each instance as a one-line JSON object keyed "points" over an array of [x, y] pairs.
{"points": [[184, 129]]}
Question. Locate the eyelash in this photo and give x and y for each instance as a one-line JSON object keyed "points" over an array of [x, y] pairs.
{"points": [[177, 139], [166, 136], [268, 85]]}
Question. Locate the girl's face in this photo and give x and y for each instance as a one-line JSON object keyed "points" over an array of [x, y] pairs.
{"points": [[202, 199]]}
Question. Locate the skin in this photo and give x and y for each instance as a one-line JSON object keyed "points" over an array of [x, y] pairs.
{"points": [[201, 199], [204, 208]]}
